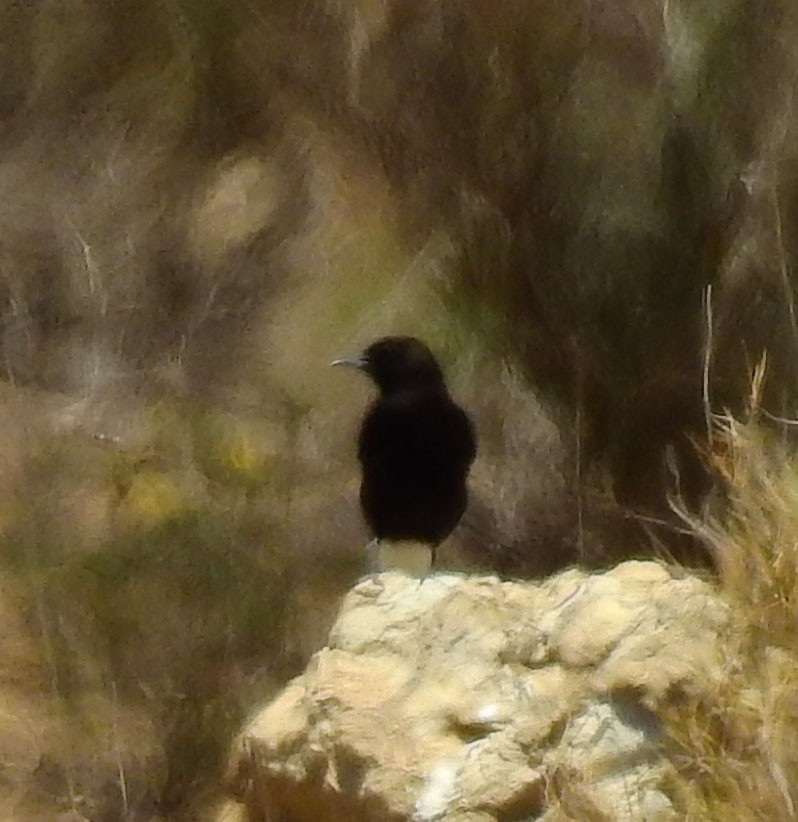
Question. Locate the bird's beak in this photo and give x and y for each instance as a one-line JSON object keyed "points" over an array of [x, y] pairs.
{"points": [[358, 361]]}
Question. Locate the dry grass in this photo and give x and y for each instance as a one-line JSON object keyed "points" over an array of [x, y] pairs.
{"points": [[737, 758]]}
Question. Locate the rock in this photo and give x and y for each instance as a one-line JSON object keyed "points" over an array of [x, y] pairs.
{"points": [[469, 698]]}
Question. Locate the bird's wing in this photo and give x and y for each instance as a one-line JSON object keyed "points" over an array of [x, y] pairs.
{"points": [[403, 427], [384, 432]]}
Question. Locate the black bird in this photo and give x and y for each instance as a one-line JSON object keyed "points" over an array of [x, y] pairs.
{"points": [[415, 445]]}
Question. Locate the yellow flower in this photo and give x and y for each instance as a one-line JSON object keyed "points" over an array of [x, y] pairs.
{"points": [[243, 455], [153, 499]]}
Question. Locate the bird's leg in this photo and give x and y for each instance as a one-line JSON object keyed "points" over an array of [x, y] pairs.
{"points": [[431, 568], [373, 558], [405, 556]]}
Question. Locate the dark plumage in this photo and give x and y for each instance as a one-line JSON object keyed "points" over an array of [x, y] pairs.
{"points": [[415, 445]]}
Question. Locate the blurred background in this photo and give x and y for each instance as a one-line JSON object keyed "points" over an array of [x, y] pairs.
{"points": [[588, 210]]}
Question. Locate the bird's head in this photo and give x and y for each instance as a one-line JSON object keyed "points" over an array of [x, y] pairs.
{"points": [[398, 364]]}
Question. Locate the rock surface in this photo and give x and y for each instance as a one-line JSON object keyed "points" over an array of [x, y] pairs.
{"points": [[471, 699]]}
